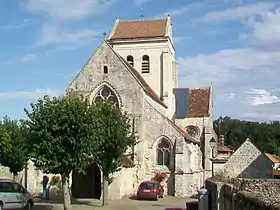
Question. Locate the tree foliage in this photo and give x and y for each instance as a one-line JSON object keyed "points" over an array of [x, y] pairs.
{"points": [[67, 133], [13, 149], [266, 135], [113, 136], [60, 131]]}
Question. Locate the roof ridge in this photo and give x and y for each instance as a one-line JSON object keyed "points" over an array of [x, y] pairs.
{"points": [[200, 88], [132, 20]]}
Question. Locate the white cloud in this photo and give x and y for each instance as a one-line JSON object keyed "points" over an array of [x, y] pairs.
{"points": [[55, 34], [261, 96], [28, 57], [31, 94], [237, 13], [67, 10], [228, 66], [266, 29], [202, 4], [263, 112], [252, 67]]}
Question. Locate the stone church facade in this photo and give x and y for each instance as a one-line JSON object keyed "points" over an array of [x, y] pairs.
{"points": [[135, 68]]}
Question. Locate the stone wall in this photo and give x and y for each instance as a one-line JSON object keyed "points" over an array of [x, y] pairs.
{"points": [[5, 173], [248, 162], [244, 194]]}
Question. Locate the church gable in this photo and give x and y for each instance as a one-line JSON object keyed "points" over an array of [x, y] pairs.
{"points": [[107, 67]]}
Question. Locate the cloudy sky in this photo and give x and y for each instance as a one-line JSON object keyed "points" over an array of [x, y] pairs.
{"points": [[233, 44]]}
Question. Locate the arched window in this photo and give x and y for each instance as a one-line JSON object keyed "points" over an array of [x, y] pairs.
{"points": [[163, 152], [105, 69], [106, 93], [145, 64], [130, 60]]}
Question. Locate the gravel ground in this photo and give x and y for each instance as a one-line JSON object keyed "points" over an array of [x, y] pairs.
{"points": [[162, 204]]}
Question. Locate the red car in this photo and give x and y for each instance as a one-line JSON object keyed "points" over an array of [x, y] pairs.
{"points": [[149, 190]]}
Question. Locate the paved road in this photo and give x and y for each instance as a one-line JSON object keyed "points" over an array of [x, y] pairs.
{"points": [[161, 204]]}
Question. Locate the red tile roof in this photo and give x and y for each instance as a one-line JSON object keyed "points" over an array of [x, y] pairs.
{"points": [[276, 172], [224, 149], [273, 158], [129, 29], [198, 102]]}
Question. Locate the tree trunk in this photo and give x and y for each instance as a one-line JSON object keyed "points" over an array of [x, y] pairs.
{"points": [[105, 190], [66, 192], [14, 176]]}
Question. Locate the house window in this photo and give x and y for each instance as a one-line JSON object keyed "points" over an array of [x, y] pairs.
{"points": [[163, 152], [106, 93], [145, 64], [105, 69], [130, 60]]}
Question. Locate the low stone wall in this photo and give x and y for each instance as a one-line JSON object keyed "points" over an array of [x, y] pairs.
{"points": [[244, 194], [5, 173]]}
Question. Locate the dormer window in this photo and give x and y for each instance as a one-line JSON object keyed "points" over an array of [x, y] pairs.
{"points": [[130, 60], [145, 64]]}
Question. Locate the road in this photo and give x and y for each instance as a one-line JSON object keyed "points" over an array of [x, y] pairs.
{"points": [[161, 204]]}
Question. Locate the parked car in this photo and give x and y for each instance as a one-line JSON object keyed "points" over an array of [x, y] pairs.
{"points": [[14, 196], [150, 190]]}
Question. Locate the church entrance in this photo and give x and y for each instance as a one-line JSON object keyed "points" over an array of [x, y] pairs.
{"points": [[87, 185]]}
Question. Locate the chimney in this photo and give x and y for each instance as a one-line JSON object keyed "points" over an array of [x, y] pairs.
{"points": [[222, 140]]}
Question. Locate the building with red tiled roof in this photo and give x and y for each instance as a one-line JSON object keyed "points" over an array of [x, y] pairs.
{"points": [[276, 164], [131, 29], [135, 68]]}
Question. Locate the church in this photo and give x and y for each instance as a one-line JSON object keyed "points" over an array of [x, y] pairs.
{"points": [[135, 68]]}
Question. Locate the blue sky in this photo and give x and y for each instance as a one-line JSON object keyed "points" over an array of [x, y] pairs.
{"points": [[233, 44]]}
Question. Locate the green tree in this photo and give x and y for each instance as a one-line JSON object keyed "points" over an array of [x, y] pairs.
{"points": [[13, 147], [60, 131], [265, 135], [113, 137]]}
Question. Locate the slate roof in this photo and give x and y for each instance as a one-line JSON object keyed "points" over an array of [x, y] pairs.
{"points": [[129, 29]]}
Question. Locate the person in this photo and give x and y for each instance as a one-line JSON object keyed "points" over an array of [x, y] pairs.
{"points": [[45, 183]]}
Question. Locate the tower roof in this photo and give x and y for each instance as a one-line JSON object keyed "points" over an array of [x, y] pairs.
{"points": [[131, 29], [192, 102]]}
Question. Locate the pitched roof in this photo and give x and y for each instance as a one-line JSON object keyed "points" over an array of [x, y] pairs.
{"points": [[199, 102], [273, 158], [129, 29], [149, 91], [192, 102]]}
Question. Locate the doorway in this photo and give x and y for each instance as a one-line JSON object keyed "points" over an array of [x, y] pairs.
{"points": [[87, 185]]}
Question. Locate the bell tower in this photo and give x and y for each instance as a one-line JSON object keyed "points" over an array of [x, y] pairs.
{"points": [[147, 45]]}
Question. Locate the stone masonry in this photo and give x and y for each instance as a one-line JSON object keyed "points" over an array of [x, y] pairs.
{"points": [[248, 162]]}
